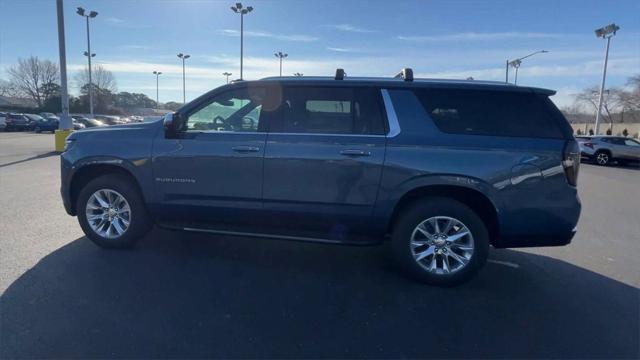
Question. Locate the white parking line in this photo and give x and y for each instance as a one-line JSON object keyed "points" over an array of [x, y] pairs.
{"points": [[505, 263]]}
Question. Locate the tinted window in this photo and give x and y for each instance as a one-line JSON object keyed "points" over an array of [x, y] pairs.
{"points": [[495, 113], [326, 110]]}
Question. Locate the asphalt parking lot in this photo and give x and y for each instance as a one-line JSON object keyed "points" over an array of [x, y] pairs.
{"points": [[190, 295]]}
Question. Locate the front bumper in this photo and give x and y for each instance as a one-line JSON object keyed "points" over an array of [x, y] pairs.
{"points": [[535, 241], [65, 185]]}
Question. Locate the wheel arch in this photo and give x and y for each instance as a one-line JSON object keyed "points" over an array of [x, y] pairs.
{"points": [[475, 199], [83, 175]]}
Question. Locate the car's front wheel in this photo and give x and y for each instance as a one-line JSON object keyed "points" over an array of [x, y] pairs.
{"points": [[440, 241], [112, 212]]}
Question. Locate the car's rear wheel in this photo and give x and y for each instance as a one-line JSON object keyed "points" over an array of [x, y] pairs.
{"points": [[440, 241], [112, 212], [602, 158]]}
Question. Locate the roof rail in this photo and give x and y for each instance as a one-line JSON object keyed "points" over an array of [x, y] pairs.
{"points": [[406, 74], [340, 74]]}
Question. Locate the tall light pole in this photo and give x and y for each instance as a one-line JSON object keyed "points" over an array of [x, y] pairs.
{"points": [[80, 11], [606, 32], [238, 9], [65, 120], [157, 74], [517, 62], [184, 91], [280, 56], [227, 74]]}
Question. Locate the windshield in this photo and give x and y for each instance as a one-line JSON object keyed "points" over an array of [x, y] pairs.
{"points": [[34, 117], [94, 122]]}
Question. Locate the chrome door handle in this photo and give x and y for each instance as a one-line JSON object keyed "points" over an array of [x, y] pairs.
{"points": [[245, 149], [355, 152]]}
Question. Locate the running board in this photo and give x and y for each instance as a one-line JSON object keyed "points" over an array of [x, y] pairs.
{"points": [[280, 237]]}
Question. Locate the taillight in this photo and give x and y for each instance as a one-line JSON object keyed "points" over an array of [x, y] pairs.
{"points": [[571, 161], [589, 145]]}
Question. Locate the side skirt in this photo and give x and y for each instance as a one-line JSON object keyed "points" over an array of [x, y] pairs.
{"points": [[367, 242]]}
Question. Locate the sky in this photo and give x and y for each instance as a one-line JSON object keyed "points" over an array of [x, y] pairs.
{"points": [[438, 39]]}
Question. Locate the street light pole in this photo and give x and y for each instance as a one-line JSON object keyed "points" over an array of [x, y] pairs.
{"points": [[80, 11], [184, 91], [238, 9], [517, 62], [157, 74], [280, 56], [227, 74], [606, 32], [65, 120], [506, 73]]}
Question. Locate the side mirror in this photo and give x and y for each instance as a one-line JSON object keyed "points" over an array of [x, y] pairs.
{"points": [[171, 125]]}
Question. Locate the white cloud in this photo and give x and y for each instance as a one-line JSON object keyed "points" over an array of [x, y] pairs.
{"points": [[343, 50], [349, 28], [473, 36], [288, 37], [114, 20], [135, 47]]}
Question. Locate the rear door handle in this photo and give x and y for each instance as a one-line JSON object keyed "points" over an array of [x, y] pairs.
{"points": [[355, 152], [245, 149]]}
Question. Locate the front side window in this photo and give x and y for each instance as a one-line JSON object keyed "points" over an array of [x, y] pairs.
{"points": [[630, 142], [232, 111], [330, 110]]}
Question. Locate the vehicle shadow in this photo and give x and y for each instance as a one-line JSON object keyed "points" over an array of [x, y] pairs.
{"points": [[40, 156], [190, 295]]}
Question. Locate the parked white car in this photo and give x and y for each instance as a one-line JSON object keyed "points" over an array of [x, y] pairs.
{"points": [[604, 149]]}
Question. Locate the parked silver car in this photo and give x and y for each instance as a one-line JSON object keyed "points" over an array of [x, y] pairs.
{"points": [[604, 149]]}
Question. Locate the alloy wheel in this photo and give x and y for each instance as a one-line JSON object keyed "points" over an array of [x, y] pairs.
{"points": [[602, 158], [442, 245], [108, 213]]}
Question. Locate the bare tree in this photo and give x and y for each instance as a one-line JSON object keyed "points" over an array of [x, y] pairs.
{"points": [[610, 101], [101, 78], [8, 89], [30, 75]]}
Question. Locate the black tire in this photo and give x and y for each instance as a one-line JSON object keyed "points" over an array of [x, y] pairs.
{"points": [[140, 221], [602, 158], [432, 207]]}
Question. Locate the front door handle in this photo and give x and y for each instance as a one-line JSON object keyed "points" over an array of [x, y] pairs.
{"points": [[355, 152], [245, 149]]}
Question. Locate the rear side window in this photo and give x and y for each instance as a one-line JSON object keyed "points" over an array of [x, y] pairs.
{"points": [[493, 113], [330, 110]]}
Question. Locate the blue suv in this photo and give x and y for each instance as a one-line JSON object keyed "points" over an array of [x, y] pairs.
{"points": [[442, 168]]}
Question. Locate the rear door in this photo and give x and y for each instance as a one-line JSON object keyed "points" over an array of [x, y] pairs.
{"points": [[324, 156]]}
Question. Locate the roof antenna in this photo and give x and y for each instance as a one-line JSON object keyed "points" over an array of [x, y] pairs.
{"points": [[340, 74], [406, 74]]}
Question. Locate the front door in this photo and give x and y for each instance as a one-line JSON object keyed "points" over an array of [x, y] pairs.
{"points": [[323, 159], [213, 170]]}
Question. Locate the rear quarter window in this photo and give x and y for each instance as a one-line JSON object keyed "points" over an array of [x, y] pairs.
{"points": [[492, 113]]}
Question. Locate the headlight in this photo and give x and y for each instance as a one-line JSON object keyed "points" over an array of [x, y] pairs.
{"points": [[68, 144]]}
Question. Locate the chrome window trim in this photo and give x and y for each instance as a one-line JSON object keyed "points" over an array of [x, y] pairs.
{"points": [[326, 134], [392, 118]]}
